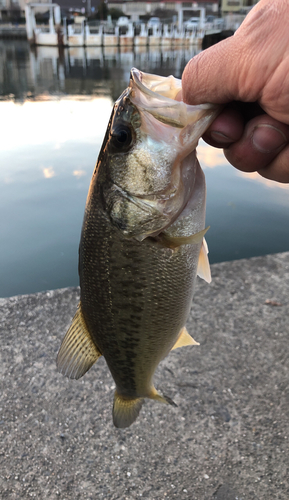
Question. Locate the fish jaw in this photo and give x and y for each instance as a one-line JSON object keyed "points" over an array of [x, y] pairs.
{"points": [[155, 95], [149, 180]]}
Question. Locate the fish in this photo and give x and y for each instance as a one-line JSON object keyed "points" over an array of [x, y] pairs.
{"points": [[142, 242]]}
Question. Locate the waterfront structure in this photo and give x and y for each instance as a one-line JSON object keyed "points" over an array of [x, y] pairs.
{"points": [[136, 9], [237, 6], [170, 31], [83, 33], [13, 10], [133, 9], [10, 9]]}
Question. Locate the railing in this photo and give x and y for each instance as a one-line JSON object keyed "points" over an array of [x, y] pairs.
{"points": [[99, 34]]}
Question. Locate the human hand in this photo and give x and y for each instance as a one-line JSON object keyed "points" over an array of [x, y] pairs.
{"points": [[248, 73]]}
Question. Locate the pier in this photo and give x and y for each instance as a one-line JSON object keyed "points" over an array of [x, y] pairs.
{"points": [[11, 31], [107, 34], [227, 439]]}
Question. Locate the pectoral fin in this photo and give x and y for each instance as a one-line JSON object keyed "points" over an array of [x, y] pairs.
{"points": [[176, 241], [204, 270], [184, 339], [77, 352]]}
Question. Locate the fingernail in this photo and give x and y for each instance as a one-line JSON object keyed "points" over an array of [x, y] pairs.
{"points": [[267, 138], [219, 137]]}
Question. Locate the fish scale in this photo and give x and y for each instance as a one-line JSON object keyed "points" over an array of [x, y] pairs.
{"points": [[159, 272], [142, 242]]}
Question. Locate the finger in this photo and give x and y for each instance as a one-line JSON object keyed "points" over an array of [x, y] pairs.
{"points": [[229, 125], [202, 80], [262, 141], [278, 169], [227, 128], [242, 67]]}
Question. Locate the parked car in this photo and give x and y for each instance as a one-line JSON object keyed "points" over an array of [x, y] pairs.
{"points": [[122, 21], [154, 21], [215, 22], [192, 23], [218, 23]]}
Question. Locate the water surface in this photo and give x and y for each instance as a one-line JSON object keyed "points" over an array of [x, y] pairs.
{"points": [[54, 111]]}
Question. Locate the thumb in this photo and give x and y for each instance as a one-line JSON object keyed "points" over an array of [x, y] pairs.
{"points": [[241, 67], [213, 75]]}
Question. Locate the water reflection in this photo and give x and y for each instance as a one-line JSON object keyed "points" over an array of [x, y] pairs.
{"points": [[257, 178], [54, 110], [78, 70]]}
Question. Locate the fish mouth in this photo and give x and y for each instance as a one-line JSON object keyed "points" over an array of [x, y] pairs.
{"points": [[167, 87], [157, 95]]}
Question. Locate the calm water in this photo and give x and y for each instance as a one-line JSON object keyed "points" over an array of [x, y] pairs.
{"points": [[54, 111]]}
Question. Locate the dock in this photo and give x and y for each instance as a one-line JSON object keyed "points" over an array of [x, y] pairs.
{"points": [[11, 31], [83, 32], [228, 437], [86, 36]]}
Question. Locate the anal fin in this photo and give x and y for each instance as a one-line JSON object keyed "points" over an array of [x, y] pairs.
{"points": [[154, 394], [77, 352], [184, 339]]}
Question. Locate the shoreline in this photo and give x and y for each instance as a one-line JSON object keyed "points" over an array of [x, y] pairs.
{"points": [[228, 437]]}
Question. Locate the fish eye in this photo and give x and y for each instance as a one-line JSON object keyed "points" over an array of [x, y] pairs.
{"points": [[121, 137]]}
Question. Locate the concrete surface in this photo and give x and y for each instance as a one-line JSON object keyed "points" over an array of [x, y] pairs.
{"points": [[228, 438]]}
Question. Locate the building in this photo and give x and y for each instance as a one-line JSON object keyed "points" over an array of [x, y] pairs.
{"points": [[146, 8], [13, 10], [10, 9], [135, 10], [237, 6]]}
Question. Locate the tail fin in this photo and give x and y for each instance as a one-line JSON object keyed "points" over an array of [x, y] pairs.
{"points": [[125, 411]]}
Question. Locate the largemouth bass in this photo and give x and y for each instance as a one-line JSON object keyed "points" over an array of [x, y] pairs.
{"points": [[142, 242]]}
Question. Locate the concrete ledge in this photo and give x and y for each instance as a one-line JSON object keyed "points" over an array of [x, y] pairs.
{"points": [[228, 438]]}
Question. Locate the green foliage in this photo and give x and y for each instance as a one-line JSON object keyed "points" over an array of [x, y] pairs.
{"points": [[115, 13], [102, 11]]}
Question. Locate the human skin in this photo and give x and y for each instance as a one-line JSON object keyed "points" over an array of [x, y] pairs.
{"points": [[248, 73]]}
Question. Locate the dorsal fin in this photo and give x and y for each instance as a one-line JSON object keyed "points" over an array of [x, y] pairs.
{"points": [[77, 352], [204, 270], [184, 339]]}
